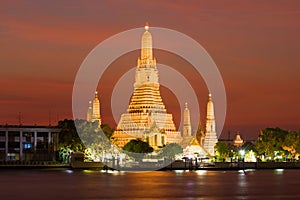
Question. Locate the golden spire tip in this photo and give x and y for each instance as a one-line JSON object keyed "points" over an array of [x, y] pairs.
{"points": [[147, 26]]}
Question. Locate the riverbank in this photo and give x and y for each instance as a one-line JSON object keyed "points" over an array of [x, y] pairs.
{"points": [[32, 165], [177, 165], [232, 165]]}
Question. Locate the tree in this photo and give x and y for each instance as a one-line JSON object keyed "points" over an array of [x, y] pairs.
{"points": [[84, 136], [248, 146], [138, 146], [137, 149], [222, 149], [171, 150], [68, 136], [292, 143], [64, 154], [107, 130], [270, 141], [95, 140]]}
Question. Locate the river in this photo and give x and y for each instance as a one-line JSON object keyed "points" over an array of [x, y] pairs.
{"points": [[85, 184]]}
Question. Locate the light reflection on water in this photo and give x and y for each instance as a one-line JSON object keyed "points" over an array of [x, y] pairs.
{"points": [[201, 184], [201, 172], [279, 171]]}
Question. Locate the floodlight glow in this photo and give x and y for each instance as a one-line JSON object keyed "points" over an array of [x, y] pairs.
{"points": [[242, 152]]}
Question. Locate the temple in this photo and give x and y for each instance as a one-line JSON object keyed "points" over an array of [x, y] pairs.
{"points": [[146, 117], [187, 128], [238, 141], [93, 113], [211, 138]]}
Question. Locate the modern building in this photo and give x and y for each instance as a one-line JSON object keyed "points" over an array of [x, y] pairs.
{"points": [[28, 143], [146, 117], [93, 113], [211, 138]]}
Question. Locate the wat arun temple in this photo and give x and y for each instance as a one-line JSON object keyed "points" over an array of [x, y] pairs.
{"points": [[146, 117]]}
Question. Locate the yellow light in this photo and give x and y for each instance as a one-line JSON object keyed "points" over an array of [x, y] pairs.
{"points": [[201, 172], [87, 171], [147, 26]]}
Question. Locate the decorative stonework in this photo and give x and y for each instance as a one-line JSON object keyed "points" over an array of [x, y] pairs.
{"points": [[146, 117], [93, 113], [238, 141], [211, 138], [187, 128]]}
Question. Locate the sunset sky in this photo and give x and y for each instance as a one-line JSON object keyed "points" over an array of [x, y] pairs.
{"points": [[255, 45]]}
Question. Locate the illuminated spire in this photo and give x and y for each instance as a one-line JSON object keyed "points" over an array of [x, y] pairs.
{"points": [[147, 26], [146, 51], [210, 108], [96, 109], [146, 71], [90, 112], [187, 129], [146, 116], [210, 135]]}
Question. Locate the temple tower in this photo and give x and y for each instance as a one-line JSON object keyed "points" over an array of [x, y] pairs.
{"points": [[90, 112], [238, 141], [211, 138], [94, 110], [146, 117], [187, 128]]}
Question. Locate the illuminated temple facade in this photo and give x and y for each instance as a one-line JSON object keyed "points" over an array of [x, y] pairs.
{"points": [[146, 117], [202, 144]]}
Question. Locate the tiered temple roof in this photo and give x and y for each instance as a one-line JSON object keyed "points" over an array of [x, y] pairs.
{"points": [[146, 117]]}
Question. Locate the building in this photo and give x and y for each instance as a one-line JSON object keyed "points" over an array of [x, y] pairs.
{"points": [[89, 116], [146, 117], [187, 127], [93, 113], [28, 143], [195, 149], [192, 144], [238, 141], [211, 138]]}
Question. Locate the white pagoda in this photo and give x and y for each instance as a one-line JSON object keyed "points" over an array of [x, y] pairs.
{"points": [[146, 117], [93, 113], [211, 138]]}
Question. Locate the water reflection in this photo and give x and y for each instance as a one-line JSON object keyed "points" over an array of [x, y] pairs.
{"points": [[201, 172], [178, 171], [279, 171], [201, 184], [242, 181], [69, 171]]}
